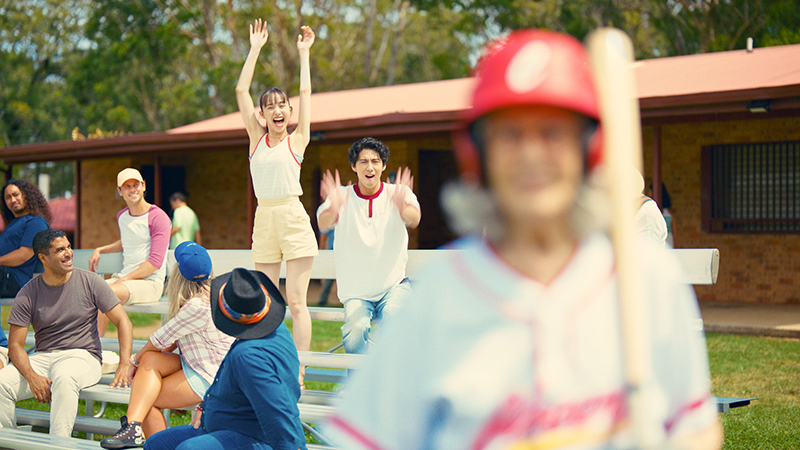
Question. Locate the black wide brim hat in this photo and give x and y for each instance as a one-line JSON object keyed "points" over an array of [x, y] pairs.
{"points": [[269, 323]]}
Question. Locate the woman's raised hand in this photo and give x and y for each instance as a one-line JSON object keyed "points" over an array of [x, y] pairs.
{"points": [[305, 40], [258, 33]]}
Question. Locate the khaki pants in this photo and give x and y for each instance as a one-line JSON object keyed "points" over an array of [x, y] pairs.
{"points": [[69, 370]]}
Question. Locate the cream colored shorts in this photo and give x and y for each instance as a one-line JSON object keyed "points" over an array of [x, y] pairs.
{"points": [[282, 231], [141, 291], [4, 356]]}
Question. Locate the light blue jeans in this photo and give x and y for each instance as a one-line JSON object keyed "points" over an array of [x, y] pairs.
{"points": [[358, 315]]}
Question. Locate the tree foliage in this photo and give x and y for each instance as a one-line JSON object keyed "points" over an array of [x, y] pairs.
{"points": [[150, 65]]}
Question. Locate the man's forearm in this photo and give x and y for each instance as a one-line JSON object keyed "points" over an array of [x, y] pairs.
{"points": [[17, 257], [411, 216], [125, 338], [19, 357], [328, 218], [114, 247]]}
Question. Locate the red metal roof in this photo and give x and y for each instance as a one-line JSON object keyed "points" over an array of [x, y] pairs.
{"points": [[763, 69], [727, 79], [401, 103]]}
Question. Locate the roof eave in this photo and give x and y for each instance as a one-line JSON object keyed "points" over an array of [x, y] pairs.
{"points": [[394, 124]]}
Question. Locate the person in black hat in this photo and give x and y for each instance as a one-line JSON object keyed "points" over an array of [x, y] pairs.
{"points": [[164, 379], [253, 400]]}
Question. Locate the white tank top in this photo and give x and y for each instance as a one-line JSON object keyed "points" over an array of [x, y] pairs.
{"points": [[275, 171]]}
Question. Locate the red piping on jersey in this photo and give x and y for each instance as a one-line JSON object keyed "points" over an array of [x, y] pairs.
{"points": [[685, 410], [292, 153], [368, 197], [264, 136], [353, 433], [525, 275], [480, 289], [289, 143]]}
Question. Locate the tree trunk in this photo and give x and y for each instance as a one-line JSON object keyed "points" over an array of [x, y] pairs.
{"points": [[396, 36], [368, 40]]}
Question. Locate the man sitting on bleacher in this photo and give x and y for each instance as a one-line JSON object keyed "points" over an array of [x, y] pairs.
{"points": [[371, 247], [62, 306], [143, 240]]}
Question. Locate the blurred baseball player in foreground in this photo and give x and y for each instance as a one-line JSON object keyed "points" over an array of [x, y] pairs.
{"points": [[514, 342]]}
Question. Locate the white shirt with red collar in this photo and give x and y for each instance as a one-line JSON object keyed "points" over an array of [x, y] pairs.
{"points": [[371, 246], [482, 357]]}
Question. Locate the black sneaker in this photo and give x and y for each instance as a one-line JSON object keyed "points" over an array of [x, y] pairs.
{"points": [[130, 435]]}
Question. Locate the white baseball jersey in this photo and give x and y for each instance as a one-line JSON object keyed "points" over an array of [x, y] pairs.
{"points": [[371, 247], [275, 171], [482, 357]]}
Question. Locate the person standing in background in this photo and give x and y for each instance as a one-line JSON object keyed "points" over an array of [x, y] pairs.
{"points": [[185, 226]]}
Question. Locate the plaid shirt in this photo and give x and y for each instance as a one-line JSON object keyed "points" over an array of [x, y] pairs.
{"points": [[200, 343]]}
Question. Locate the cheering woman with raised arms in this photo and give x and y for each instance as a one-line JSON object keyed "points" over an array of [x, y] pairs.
{"points": [[282, 229]]}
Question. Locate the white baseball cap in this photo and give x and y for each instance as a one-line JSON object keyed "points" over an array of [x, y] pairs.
{"points": [[128, 174]]}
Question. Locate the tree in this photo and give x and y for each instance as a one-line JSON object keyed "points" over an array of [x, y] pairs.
{"points": [[700, 26], [37, 40]]}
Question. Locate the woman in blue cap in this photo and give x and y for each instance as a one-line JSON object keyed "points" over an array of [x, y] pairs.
{"points": [[163, 379]]}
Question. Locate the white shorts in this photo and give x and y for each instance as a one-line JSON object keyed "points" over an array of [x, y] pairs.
{"points": [[282, 231], [140, 291]]}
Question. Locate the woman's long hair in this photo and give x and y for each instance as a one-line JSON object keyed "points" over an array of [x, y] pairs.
{"points": [[35, 201], [180, 290]]}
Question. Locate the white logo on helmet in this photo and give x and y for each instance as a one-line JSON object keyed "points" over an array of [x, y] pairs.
{"points": [[528, 68]]}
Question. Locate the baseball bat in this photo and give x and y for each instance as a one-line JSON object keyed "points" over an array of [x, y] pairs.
{"points": [[611, 57]]}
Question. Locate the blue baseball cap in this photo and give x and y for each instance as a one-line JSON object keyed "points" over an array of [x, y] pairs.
{"points": [[193, 261]]}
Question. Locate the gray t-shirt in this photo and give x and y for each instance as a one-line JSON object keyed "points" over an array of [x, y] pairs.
{"points": [[64, 317]]}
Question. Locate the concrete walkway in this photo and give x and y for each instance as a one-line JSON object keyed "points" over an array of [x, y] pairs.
{"points": [[751, 319]]}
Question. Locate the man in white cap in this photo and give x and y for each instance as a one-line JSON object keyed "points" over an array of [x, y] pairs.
{"points": [[144, 238]]}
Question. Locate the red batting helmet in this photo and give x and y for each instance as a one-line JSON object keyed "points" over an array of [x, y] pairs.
{"points": [[529, 67]]}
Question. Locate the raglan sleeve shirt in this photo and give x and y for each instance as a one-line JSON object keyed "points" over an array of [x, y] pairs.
{"points": [[160, 226]]}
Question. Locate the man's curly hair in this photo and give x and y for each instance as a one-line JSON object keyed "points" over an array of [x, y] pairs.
{"points": [[35, 201]]}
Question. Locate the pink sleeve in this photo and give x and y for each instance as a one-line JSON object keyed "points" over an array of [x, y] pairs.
{"points": [[159, 235]]}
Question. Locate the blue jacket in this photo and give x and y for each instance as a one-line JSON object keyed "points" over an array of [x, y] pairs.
{"points": [[255, 392]]}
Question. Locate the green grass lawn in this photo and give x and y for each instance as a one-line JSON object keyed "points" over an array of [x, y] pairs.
{"points": [[763, 368], [741, 366]]}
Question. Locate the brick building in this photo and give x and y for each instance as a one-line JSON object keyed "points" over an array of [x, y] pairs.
{"points": [[732, 172]]}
